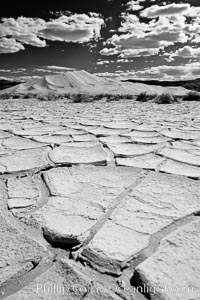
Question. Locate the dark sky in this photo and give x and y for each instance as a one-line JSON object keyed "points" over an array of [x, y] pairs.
{"points": [[131, 38], [41, 9]]}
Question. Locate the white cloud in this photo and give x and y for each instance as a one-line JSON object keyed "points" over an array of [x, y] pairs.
{"points": [[107, 74], [20, 78], [60, 68], [165, 72], [167, 26], [30, 39], [170, 9], [128, 53], [53, 69], [134, 5], [186, 52], [121, 60], [21, 69], [18, 71], [109, 51], [5, 70], [132, 24], [23, 30], [42, 70], [25, 78], [197, 38], [9, 45], [134, 45], [103, 62], [78, 28]]}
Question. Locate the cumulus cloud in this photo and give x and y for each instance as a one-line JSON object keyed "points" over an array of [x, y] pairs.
{"points": [[109, 51], [23, 30], [186, 52], [134, 45], [165, 72], [134, 5], [166, 25], [10, 45], [166, 10], [77, 28]]}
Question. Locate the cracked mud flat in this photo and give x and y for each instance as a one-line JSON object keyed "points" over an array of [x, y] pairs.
{"points": [[99, 200]]}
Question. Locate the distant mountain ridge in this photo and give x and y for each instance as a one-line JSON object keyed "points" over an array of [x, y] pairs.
{"points": [[83, 82], [193, 84]]}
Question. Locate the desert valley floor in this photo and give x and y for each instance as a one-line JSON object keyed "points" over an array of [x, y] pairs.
{"points": [[99, 200]]}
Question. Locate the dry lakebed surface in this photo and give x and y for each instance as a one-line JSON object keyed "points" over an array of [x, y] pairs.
{"points": [[99, 200]]}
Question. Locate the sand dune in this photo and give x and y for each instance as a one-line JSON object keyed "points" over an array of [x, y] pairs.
{"points": [[84, 82]]}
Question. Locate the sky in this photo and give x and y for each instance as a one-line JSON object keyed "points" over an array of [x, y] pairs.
{"points": [[138, 39]]}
